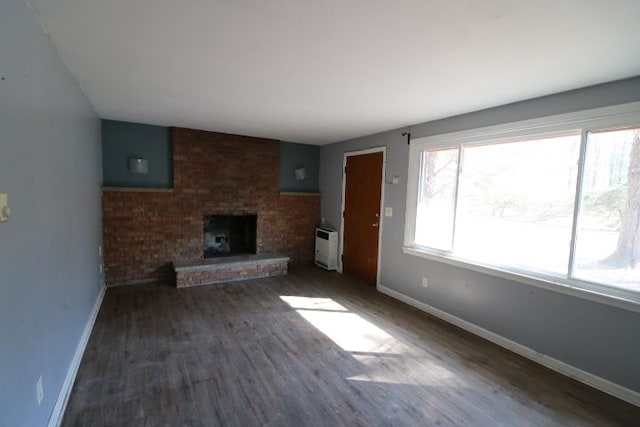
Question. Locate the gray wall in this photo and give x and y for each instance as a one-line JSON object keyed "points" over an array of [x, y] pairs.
{"points": [[123, 140], [293, 156], [50, 167], [594, 337]]}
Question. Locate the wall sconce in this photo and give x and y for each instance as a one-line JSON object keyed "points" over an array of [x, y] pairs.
{"points": [[140, 166], [301, 173]]}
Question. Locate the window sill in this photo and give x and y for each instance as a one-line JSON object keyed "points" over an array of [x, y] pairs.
{"points": [[620, 298]]}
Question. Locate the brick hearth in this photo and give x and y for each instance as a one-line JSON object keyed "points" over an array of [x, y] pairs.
{"points": [[228, 269]]}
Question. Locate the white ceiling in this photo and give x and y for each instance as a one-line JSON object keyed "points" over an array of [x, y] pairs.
{"points": [[327, 70]]}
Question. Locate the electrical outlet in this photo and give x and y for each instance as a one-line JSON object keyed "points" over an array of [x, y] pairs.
{"points": [[388, 211], [39, 390], [425, 282], [100, 250]]}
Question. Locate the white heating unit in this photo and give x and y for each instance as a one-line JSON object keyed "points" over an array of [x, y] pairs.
{"points": [[327, 248]]}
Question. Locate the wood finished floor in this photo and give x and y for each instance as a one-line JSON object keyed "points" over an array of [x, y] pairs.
{"points": [[309, 349]]}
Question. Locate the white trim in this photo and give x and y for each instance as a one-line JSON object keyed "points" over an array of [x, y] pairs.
{"points": [[413, 187], [380, 212], [578, 374], [577, 202], [626, 300], [63, 397], [600, 118]]}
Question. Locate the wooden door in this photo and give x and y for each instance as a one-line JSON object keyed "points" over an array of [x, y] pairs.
{"points": [[362, 216]]}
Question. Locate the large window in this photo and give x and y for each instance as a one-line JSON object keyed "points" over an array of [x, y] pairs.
{"points": [[557, 200]]}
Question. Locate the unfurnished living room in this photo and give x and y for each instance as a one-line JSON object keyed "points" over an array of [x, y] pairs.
{"points": [[329, 213]]}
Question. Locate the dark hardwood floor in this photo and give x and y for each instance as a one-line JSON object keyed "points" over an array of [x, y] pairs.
{"points": [[309, 349]]}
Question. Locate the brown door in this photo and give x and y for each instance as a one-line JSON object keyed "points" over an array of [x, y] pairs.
{"points": [[362, 216]]}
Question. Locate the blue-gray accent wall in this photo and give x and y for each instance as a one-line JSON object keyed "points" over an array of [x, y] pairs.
{"points": [[294, 156], [122, 141], [597, 338], [49, 264]]}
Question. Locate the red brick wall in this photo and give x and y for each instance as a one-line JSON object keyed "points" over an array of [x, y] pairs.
{"points": [[144, 231]]}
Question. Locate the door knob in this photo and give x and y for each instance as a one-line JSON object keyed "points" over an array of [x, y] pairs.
{"points": [[375, 224]]}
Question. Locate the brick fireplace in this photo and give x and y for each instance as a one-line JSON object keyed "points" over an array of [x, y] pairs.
{"points": [[146, 230]]}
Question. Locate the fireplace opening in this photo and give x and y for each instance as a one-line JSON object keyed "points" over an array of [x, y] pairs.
{"points": [[226, 235]]}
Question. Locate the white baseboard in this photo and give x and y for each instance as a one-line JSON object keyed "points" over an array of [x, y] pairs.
{"points": [[63, 397], [592, 380]]}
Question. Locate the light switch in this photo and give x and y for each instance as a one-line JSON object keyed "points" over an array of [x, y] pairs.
{"points": [[4, 208], [388, 211]]}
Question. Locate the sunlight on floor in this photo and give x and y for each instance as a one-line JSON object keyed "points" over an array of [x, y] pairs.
{"points": [[385, 358], [312, 303], [350, 331]]}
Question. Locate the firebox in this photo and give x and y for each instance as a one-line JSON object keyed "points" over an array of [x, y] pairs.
{"points": [[226, 235]]}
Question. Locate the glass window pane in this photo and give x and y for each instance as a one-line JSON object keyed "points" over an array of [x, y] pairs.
{"points": [[436, 198], [515, 204], [608, 237]]}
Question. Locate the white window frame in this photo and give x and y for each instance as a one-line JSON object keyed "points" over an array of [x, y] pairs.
{"points": [[607, 118]]}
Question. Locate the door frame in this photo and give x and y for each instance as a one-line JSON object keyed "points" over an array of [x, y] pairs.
{"points": [[380, 212]]}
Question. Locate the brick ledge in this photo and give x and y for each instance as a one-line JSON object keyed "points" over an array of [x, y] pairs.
{"points": [[224, 262], [138, 189], [296, 193], [229, 269]]}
